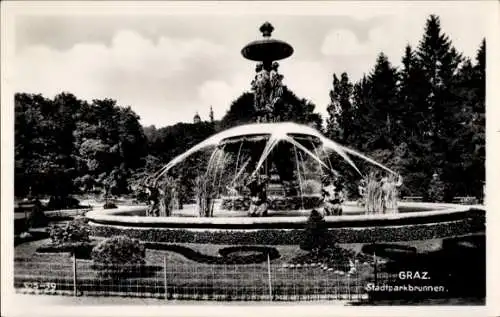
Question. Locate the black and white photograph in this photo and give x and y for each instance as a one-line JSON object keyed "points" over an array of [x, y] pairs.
{"points": [[278, 154]]}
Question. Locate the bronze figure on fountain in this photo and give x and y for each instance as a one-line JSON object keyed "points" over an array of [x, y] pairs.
{"points": [[258, 194], [332, 193], [267, 84]]}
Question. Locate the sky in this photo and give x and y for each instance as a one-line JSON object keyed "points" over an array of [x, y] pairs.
{"points": [[168, 64]]}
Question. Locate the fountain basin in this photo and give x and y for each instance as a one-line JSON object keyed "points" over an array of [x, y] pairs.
{"points": [[433, 222]]}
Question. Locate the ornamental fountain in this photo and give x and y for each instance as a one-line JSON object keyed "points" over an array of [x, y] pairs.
{"points": [[276, 166], [269, 156]]}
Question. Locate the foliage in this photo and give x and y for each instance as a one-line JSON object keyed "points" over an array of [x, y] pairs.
{"points": [[291, 108], [81, 250], [109, 205], [118, 256], [316, 235], [37, 217], [436, 191], [119, 250], [76, 230], [426, 116], [65, 202], [64, 145], [332, 257], [384, 231]]}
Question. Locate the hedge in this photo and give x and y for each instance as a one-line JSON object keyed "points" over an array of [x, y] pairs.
{"points": [[82, 250], [294, 236]]}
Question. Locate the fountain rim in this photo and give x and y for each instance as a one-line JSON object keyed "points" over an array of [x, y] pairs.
{"points": [[106, 216]]}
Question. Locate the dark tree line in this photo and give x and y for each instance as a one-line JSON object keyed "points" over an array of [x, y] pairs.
{"points": [[425, 119], [65, 145]]}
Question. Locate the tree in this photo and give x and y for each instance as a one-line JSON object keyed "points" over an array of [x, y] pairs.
{"points": [[342, 112], [361, 124], [211, 115], [440, 62], [466, 159], [241, 111], [66, 142], [414, 127], [43, 138], [290, 108], [384, 110]]}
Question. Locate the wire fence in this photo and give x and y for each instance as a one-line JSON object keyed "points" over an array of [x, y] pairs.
{"points": [[173, 281]]}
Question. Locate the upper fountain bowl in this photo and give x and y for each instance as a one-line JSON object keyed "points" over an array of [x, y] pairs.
{"points": [[267, 49]]}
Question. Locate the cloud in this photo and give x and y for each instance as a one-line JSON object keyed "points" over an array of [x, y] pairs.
{"points": [[156, 78], [167, 69], [343, 42]]}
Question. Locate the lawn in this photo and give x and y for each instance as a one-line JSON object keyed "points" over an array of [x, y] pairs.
{"points": [[186, 278]]}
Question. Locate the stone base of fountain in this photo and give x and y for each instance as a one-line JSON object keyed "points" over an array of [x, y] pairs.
{"points": [[280, 203]]}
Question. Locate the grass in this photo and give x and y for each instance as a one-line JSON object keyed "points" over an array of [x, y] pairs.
{"points": [[186, 277]]}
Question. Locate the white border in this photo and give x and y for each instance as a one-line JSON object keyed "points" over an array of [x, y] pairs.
{"points": [[15, 305]]}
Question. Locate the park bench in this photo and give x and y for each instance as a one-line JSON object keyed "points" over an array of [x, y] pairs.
{"points": [[465, 200], [413, 198]]}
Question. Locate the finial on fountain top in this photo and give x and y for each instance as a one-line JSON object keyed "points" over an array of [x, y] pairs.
{"points": [[266, 29]]}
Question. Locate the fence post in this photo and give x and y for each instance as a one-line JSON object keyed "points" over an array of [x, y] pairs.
{"points": [[349, 284], [165, 276], [75, 292], [269, 275]]}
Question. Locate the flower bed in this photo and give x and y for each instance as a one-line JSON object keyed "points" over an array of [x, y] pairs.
{"points": [[294, 236], [258, 254], [331, 258]]}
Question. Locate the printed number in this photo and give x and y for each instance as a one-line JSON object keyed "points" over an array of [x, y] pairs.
{"points": [[37, 285]]}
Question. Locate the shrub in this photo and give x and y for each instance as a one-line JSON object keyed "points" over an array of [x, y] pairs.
{"points": [[74, 231], [436, 191], [316, 235], [118, 256], [56, 203], [110, 205], [81, 250], [37, 218]]}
